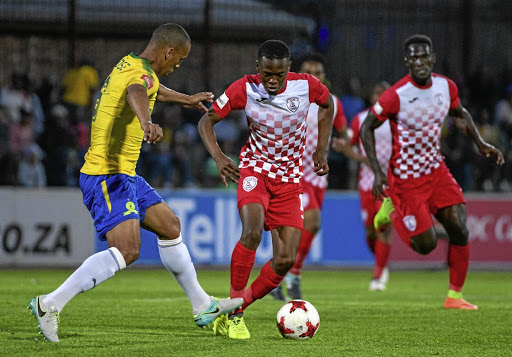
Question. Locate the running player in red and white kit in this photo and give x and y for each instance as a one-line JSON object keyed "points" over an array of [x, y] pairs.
{"points": [[276, 103], [419, 181], [379, 242], [314, 185]]}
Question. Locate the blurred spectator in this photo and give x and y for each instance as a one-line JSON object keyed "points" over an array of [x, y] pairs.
{"points": [[482, 89], [18, 97], [14, 99], [211, 173], [79, 84], [59, 142], [504, 122], [487, 172], [459, 152], [21, 134], [183, 154], [159, 162], [31, 172], [351, 101]]}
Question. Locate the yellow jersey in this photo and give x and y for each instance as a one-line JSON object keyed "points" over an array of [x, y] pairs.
{"points": [[79, 84], [116, 135]]}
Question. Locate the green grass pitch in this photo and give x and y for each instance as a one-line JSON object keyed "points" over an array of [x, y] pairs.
{"points": [[144, 312]]}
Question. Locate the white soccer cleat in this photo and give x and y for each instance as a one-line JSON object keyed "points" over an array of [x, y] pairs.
{"points": [[217, 307], [384, 278], [377, 285], [47, 318]]}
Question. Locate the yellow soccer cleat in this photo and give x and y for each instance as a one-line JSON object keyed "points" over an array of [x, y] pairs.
{"points": [[237, 329], [382, 219]]}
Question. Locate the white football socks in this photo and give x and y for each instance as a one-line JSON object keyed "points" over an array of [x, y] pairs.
{"points": [[176, 258], [93, 271]]}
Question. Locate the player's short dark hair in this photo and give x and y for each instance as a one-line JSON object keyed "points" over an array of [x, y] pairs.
{"points": [[415, 39], [312, 57], [170, 35], [274, 49]]}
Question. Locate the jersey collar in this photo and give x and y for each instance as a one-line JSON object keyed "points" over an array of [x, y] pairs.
{"points": [[418, 86]]}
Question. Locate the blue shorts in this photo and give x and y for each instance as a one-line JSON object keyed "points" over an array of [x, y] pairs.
{"points": [[113, 199]]}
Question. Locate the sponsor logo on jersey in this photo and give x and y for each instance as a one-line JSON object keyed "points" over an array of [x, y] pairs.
{"points": [[249, 183], [222, 100], [439, 99], [148, 80], [413, 99], [293, 104], [410, 223]]}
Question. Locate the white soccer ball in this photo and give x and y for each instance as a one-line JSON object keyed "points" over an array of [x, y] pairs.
{"points": [[298, 320]]}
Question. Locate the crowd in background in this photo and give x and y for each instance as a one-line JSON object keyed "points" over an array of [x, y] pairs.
{"points": [[45, 133]]}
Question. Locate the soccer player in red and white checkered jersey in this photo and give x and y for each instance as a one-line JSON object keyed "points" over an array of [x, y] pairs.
{"points": [[419, 181], [276, 103], [314, 186], [379, 242]]}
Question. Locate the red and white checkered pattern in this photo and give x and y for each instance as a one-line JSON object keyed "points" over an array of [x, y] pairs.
{"points": [[416, 115], [277, 124], [338, 123], [383, 148]]}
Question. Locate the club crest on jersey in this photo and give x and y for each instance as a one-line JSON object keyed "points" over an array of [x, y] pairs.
{"points": [[249, 183], [410, 223], [148, 80], [293, 104], [439, 99]]}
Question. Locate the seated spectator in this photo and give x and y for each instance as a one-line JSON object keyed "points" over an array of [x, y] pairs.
{"points": [[31, 171], [21, 134]]}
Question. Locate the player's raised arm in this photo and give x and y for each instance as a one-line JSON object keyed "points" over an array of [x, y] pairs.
{"points": [[368, 139], [138, 100], [193, 101], [464, 121], [325, 117], [225, 165]]}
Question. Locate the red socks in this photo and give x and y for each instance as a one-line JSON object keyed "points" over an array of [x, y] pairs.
{"points": [[267, 281], [382, 251], [306, 239], [242, 261], [371, 244], [458, 261]]}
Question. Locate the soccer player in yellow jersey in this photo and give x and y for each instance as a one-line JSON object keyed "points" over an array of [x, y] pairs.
{"points": [[120, 201]]}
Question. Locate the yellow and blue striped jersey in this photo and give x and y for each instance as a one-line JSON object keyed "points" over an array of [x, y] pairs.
{"points": [[116, 135]]}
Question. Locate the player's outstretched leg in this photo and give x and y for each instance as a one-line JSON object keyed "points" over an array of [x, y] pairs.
{"points": [[47, 318], [93, 271], [382, 219], [205, 309]]}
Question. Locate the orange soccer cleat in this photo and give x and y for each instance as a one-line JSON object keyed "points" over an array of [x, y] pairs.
{"points": [[451, 303]]}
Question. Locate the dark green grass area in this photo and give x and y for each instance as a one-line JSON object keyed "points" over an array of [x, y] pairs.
{"points": [[145, 312]]}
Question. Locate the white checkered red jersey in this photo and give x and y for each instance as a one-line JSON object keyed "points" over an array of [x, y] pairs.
{"points": [[277, 123], [339, 121], [416, 115], [383, 149]]}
